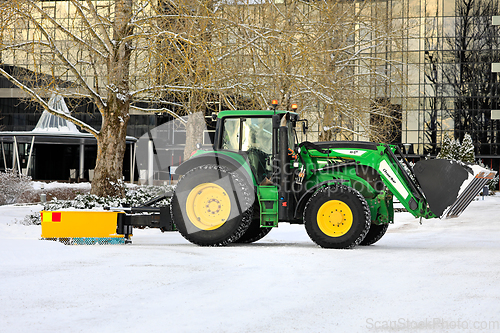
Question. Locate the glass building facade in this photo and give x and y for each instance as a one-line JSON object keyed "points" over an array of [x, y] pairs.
{"points": [[444, 53], [448, 50]]}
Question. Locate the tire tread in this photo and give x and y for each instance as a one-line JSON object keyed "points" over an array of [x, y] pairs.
{"points": [[244, 189], [342, 188]]}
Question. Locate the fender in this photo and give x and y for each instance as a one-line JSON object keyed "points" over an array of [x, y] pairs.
{"points": [[301, 205], [222, 159]]}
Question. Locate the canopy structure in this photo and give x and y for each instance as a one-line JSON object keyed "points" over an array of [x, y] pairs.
{"points": [[55, 141], [50, 123]]}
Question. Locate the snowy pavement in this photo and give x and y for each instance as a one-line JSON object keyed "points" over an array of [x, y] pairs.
{"points": [[442, 276]]}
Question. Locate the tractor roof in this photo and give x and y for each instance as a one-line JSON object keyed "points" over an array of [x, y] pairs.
{"points": [[250, 113]]}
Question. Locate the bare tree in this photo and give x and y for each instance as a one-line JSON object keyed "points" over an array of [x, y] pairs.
{"points": [[475, 42], [187, 66], [434, 102], [105, 51], [330, 57]]}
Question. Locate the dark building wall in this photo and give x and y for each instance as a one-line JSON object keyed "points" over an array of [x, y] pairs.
{"points": [[19, 115]]}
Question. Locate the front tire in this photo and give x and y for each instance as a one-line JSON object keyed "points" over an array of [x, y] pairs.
{"points": [[212, 206], [337, 217]]}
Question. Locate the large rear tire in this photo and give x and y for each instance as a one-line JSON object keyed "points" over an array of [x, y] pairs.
{"points": [[337, 217], [254, 233], [376, 232], [212, 206]]}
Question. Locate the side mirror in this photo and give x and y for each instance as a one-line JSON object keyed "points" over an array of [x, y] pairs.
{"points": [[276, 121], [305, 126], [214, 116]]}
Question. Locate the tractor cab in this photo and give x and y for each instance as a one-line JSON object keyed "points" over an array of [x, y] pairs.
{"points": [[254, 134]]}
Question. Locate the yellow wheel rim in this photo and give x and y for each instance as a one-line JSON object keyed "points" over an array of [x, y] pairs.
{"points": [[334, 218], [208, 206]]}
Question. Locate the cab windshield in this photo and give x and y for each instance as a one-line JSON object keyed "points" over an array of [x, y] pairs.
{"points": [[254, 136], [244, 134]]}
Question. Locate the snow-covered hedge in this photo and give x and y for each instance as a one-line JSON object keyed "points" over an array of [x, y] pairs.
{"points": [[64, 192], [134, 197], [12, 186]]}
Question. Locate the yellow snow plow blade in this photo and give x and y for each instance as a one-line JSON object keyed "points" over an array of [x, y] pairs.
{"points": [[81, 227]]}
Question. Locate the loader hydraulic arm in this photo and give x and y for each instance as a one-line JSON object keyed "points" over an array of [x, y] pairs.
{"points": [[411, 197]]}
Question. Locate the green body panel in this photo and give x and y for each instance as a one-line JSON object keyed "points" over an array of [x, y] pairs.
{"points": [[379, 159], [381, 208], [268, 203]]}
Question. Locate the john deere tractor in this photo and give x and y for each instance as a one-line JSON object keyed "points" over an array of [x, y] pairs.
{"points": [[258, 175]]}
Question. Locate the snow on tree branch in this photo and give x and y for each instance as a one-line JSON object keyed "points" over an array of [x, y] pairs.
{"points": [[52, 45], [170, 112], [80, 10], [101, 25]]}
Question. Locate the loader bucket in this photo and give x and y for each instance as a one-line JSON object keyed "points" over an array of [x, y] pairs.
{"points": [[476, 184], [450, 186]]}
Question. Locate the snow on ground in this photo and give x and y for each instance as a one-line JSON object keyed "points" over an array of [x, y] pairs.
{"points": [[433, 277], [37, 185], [52, 185]]}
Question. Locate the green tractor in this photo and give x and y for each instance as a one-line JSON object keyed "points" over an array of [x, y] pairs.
{"points": [[258, 175]]}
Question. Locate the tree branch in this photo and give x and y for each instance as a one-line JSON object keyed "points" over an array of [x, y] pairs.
{"points": [[44, 104]]}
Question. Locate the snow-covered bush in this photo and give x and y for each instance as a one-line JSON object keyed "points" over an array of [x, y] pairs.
{"points": [[12, 186], [452, 149], [493, 184], [141, 194], [32, 219], [134, 197], [466, 150]]}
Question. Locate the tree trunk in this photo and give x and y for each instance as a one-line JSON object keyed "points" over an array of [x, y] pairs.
{"points": [[111, 141], [326, 135], [111, 145], [194, 133], [195, 124]]}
